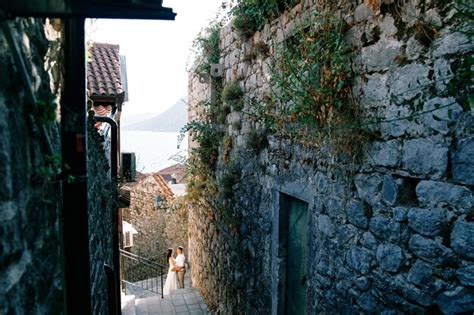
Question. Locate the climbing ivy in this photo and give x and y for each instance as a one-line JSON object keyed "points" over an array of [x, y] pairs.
{"points": [[252, 15], [50, 168], [312, 85], [206, 46], [212, 192], [47, 109]]}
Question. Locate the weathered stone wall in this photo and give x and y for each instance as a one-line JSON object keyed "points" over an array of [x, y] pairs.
{"points": [[392, 233], [159, 228], [31, 260], [31, 272], [102, 196]]}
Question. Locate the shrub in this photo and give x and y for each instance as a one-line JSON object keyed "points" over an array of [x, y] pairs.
{"points": [[47, 109], [229, 178], [312, 87], [244, 25], [251, 15], [232, 92], [221, 112], [208, 137], [232, 95], [209, 47], [257, 140]]}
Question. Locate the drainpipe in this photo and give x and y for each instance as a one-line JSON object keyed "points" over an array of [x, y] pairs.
{"points": [[115, 217], [114, 145]]}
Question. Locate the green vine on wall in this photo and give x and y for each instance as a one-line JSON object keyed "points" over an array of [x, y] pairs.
{"points": [[252, 15], [211, 192], [311, 101], [209, 47], [47, 109], [312, 85]]}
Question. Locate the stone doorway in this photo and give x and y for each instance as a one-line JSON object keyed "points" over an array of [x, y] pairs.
{"points": [[292, 255]]}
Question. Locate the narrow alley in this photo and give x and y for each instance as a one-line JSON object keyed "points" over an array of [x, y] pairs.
{"points": [[181, 301], [294, 157]]}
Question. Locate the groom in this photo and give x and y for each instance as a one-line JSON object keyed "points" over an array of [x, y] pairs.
{"points": [[180, 261]]}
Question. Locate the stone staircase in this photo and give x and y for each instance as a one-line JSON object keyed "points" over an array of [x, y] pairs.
{"points": [[181, 301], [144, 297]]}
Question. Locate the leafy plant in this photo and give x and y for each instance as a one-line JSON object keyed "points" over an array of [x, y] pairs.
{"points": [[232, 95], [312, 83], [251, 15], [230, 177], [219, 112], [208, 47], [232, 92], [47, 109], [208, 137], [245, 23], [51, 167]]}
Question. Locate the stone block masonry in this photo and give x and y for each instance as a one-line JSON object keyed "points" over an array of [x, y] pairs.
{"points": [[31, 273], [390, 234], [31, 249], [102, 196]]}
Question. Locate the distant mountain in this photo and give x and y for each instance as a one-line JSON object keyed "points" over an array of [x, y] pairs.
{"points": [[128, 119], [171, 120]]}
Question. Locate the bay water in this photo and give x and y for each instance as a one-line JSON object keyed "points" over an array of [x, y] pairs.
{"points": [[153, 150]]}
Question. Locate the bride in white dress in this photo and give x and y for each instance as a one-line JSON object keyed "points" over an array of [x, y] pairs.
{"points": [[172, 278]]}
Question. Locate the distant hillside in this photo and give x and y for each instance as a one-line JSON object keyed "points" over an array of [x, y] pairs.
{"points": [[128, 119], [172, 120]]}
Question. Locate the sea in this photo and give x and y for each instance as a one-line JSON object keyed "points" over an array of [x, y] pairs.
{"points": [[154, 151]]}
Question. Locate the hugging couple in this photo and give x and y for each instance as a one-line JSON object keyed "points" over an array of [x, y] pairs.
{"points": [[176, 271]]}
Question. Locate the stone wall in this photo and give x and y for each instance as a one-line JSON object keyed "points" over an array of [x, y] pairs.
{"points": [[159, 228], [32, 257], [31, 272], [102, 196], [391, 233]]}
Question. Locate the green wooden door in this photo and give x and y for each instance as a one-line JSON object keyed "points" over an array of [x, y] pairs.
{"points": [[293, 251]]}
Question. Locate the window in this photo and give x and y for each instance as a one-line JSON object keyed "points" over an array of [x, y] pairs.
{"points": [[128, 239]]}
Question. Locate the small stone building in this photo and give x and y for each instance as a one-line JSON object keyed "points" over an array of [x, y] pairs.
{"points": [[156, 214]]}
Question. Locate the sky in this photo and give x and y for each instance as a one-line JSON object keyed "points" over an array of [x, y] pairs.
{"points": [[156, 52]]}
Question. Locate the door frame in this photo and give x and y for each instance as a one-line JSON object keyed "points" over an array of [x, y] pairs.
{"points": [[298, 190]]}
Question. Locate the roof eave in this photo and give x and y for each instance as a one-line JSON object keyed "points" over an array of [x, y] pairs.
{"points": [[88, 9], [104, 98]]}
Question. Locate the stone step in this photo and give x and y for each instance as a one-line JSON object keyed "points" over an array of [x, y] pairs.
{"points": [[181, 301], [128, 304]]}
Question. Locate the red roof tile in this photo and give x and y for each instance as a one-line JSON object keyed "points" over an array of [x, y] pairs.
{"points": [[177, 171], [165, 189], [101, 110], [103, 70]]}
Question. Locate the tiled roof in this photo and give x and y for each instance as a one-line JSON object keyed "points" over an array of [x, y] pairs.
{"points": [[103, 70], [165, 189], [138, 179], [178, 171]]}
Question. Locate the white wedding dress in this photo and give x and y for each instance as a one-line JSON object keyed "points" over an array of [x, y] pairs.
{"points": [[172, 278]]}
